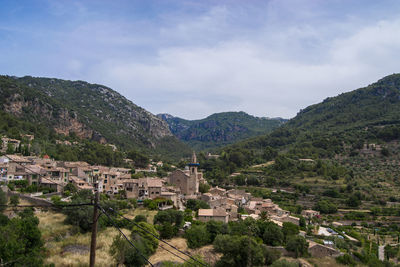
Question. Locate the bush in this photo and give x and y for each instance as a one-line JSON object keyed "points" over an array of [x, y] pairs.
{"points": [[271, 255], [3, 200], [196, 204], [125, 254], [140, 218], [289, 229], [21, 243], [197, 236], [273, 235], [239, 251], [346, 259], [325, 206], [298, 245]]}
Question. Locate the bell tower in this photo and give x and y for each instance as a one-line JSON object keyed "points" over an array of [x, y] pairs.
{"points": [[194, 164]]}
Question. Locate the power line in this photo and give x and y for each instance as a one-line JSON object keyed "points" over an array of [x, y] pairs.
{"points": [[176, 255], [112, 221], [172, 246], [48, 206]]}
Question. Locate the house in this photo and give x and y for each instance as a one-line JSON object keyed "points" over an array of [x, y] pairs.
{"points": [[170, 196], [206, 215], [291, 219], [51, 184], [9, 142], [217, 191], [319, 251], [310, 213], [81, 184], [143, 188]]}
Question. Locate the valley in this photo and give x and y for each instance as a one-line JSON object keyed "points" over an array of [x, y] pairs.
{"points": [[321, 189]]}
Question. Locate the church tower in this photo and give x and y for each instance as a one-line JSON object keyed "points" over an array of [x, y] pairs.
{"points": [[193, 176], [193, 165]]}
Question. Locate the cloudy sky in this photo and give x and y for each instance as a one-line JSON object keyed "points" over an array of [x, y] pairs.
{"points": [[192, 58]]}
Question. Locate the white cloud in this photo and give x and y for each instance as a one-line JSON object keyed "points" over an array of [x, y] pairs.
{"points": [[193, 81], [267, 59]]}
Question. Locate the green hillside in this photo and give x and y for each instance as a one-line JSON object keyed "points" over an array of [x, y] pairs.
{"points": [[219, 129], [88, 111], [370, 114], [348, 144]]}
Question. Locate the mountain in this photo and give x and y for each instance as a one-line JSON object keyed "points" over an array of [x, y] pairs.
{"points": [[345, 149], [219, 129], [347, 121], [89, 111]]}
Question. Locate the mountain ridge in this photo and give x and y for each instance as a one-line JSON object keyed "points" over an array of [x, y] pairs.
{"points": [[90, 111], [219, 129]]}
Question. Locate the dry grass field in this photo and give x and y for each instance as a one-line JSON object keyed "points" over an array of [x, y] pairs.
{"points": [[325, 262], [65, 250], [161, 254], [149, 214]]}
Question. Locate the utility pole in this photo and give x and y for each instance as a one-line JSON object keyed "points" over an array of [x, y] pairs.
{"points": [[94, 230]]}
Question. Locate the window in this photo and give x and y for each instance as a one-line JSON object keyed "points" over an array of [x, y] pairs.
{"points": [[105, 181]]}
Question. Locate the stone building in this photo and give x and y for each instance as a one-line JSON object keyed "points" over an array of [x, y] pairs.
{"points": [[187, 180], [143, 188], [206, 215]]}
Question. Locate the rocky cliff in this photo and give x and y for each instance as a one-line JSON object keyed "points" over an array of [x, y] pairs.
{"points": [[88, 110]]}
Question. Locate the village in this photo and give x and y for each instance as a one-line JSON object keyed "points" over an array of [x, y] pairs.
{"points": [[172, 191]]}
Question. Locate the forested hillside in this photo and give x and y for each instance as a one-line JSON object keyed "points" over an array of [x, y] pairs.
{"points": [[370, 114], [348, 141], [219, 129]]}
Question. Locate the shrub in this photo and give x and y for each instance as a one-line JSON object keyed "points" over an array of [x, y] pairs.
{"points": [[197, 236]]}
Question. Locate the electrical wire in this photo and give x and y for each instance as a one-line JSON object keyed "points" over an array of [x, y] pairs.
{"points": [[48, 206], [113, 223], [165, 242]]}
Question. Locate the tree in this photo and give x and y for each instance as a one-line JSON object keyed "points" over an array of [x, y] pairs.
{"points": [[215, 228], [203, 188], [71, 188], [197, 236], [298, 245], [302, 222], [10, 149], [353, 201], [325, 206], [83, 216], [141, 233], [271, 255], [21, 243], [196, 204], [239, 251], [167, 231], [289, 229], [273, 235], [3, 200], [169, 222], [124, 253], [139, 159], [140, 218], [143, 237], [269, 153]]}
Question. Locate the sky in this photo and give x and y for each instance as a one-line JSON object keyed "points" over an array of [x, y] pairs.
{"points": [[192, 58]]}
